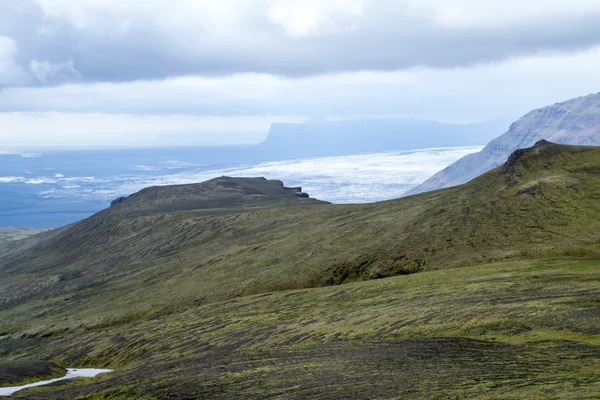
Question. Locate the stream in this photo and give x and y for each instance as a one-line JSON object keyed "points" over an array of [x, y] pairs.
{"points": [[71, 373]]}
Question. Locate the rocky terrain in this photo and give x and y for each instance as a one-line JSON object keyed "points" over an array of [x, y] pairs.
{"points": [[574, 122]]}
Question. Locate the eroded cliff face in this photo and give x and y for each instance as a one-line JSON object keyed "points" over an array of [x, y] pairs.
{"points": [[575, 122]]}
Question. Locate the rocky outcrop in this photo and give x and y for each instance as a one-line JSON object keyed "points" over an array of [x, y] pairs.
{"points": [[223, 192], [575, 122]]}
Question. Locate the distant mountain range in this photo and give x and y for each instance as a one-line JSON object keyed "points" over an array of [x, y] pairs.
{"points": [[325, 138], [575, 122]]}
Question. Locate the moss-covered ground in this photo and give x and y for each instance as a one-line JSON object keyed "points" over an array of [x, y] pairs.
{"points": [[121, 266], [505, 330], [488, 290], [22, 372]]}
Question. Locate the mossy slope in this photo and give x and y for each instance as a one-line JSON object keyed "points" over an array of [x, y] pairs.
{"points": [[22, 372], [497, 295], [117, 267], [523, 329]]}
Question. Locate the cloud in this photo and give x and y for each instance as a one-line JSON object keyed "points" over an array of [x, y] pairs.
{"points": [[87, 130], [10, 72], [475, 13], [46, 72], [13, 74], [466, 94], [118, 41], [103, 72], [311, 17]]}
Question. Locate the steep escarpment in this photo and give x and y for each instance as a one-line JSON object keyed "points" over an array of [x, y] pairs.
{"points": [[218, 193], [575, 122]]}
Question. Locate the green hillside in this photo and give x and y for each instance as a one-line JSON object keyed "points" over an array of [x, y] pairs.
{"points": [[492, 290], [13, 234]]}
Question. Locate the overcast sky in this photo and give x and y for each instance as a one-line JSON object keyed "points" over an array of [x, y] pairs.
{"points": [[126, 72]]}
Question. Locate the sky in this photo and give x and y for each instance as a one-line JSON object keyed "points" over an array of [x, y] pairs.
{"points": [[95, 73]]}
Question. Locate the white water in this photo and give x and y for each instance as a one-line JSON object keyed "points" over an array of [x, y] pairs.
{"points": [[71, 373]]}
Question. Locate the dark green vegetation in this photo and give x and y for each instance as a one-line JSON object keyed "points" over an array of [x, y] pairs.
{"points": [[494, 291], [17, 373], [218, 194], [13, 234]]}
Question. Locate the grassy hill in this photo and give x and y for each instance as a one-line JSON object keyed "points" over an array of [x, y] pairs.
{"points": [[14, 234], [493, 290]]}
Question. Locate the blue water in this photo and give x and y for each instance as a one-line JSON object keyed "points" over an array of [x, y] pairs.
{"points": [[58, 188], [35, 187]]}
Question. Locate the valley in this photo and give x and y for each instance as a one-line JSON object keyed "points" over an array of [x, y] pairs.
{"points": [[243, 288], [299, 200]]}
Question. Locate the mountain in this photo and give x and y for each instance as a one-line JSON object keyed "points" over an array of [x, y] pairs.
{"points": [[491, 290], [575, 122], [325, 138]]}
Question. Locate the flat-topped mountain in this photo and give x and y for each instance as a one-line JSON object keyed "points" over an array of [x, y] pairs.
{"points": [[219, 193], [335, 138], [574, 122], [494, 281]]}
